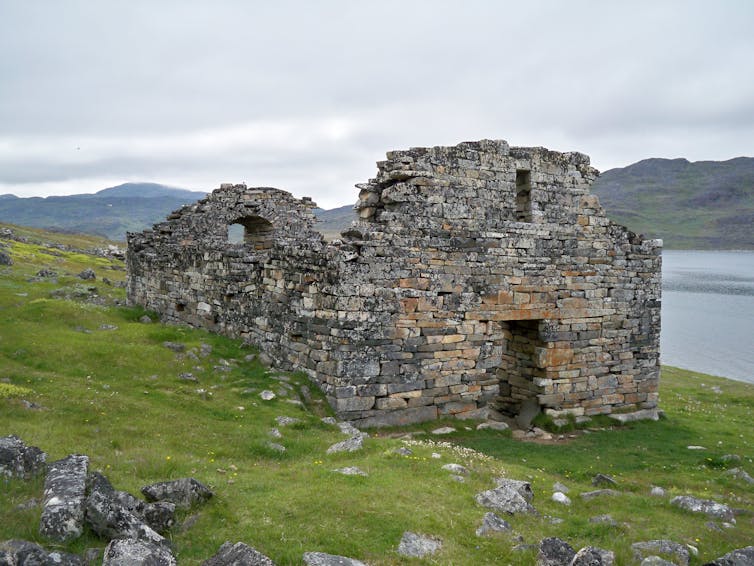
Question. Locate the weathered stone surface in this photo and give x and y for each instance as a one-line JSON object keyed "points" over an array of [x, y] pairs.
{"points": [[322, 559], [351, 445], [587, 495], [592, 556], [479, 273], [738, 557], [238, 554], [560, 497], [661, 547], [17, 460], [740, 474], [603, 479], [25, 553], [656, 561], [64, 499], [184, 492], [706, 506], [351, 471], [642, 415], [555, 552], [456, 469], [491, 523], [113, 514], [134, 552], [87, 275], [107, 502], [511, 496], [418, 546]]}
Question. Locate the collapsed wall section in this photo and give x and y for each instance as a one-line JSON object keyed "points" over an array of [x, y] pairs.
{"points": [[478, 276]]}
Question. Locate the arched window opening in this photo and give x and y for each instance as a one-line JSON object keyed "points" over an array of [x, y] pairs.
{"points": [[252, 231]]}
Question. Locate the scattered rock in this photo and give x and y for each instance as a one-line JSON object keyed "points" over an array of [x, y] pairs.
{"points": [[444, 430], [493, 425], [275, 433], [349, 429], [204, 350], [25, 553], [322, 559], [351, 445], [5, 259], [276, 447], [403, 451], [64, 499], [529, 409], [47, 273], [285, 421], [351, 471], [456, 469], [657, 491], [555, 552], [418, 546], [656, 561], [184, 492], [26, 505], [603, 479], [738, 557], [604, 520], [641, 415], [599, 493], [731, 458], [695, 447], [592, 556], [145, 319], [740, 474], [557, 486], [267, 395], [238, 554], [660, 547], [17, 460], [87, 275], [491, 523], [190, 377], [118, 514], [511, 496], [560, 497], [133, 552], [264, 359], [707, 506], [435, 455], [459, 479]]}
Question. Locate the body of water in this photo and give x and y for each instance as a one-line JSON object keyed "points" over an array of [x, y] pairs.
{"points": [[708, 312]]}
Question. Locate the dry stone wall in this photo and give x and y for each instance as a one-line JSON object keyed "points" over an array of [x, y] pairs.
{"points": [[479, 275]]}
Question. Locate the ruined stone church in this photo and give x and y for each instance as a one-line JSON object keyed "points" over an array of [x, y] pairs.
{"points": [[477, 276]]}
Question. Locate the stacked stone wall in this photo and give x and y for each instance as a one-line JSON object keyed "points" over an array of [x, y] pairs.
{"points": [[438, 301]]}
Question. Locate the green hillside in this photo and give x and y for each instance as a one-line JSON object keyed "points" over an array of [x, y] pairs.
{"points": [[80, 373], [700, 205], [109, 213]]}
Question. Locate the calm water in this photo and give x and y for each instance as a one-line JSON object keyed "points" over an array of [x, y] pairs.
{"points": [[708, 312]]}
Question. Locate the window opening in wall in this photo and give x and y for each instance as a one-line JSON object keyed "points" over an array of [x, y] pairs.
{"points": [[253, 231], [523, 195]]}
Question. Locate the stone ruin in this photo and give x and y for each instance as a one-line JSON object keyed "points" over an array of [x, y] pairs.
{"points": [[478, 276]]}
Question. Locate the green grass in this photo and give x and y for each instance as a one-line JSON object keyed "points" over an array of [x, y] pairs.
{"points": [[114, 394]]}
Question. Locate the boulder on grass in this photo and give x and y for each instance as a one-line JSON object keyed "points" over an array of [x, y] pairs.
{"points": [[133, 552], [238, 554], [64, 499], [184, 492], [17, 460]]}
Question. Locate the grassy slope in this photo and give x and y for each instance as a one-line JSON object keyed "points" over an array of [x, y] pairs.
{"points": [[115, 395], [700, 205]]}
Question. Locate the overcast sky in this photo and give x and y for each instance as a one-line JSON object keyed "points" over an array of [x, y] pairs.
{"points": [[307, 96]]}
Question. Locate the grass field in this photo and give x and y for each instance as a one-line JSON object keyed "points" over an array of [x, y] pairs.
{"points": [[106, 386]]}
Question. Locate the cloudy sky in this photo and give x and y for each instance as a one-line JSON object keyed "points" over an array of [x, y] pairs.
{"points": [[306, 96]]}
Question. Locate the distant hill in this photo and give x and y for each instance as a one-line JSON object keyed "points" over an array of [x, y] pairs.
{"points": [[109, 213], [700, 205]]}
